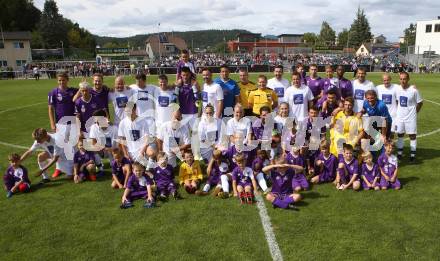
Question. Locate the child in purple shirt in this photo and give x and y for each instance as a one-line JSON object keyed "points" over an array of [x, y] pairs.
{"points": [[121, 169], [138, 187], [281, 175], [325, 165], [243, 181], [299, 180], [16, 177], [388, 168], [164, 178], [348, 170], [61, 101], [83, 164], [369, 172]]}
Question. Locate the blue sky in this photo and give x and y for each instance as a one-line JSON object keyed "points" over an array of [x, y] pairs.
{"points": [[130, 17]]}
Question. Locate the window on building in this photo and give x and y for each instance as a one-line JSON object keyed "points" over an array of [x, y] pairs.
{"points": [[3, 63], [20, 62], [2, 45], [18, 45], [428, 28], [437, 28], [362, 49]]}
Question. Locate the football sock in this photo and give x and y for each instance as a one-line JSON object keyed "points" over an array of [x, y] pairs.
{"points": [[261, 181], [225, 183]]}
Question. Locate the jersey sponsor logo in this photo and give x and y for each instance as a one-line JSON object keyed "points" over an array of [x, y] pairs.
{"points": [[51, 149], [135, 134], [403, 101], [163, 101], [204, 96], [387, 98], [298, 99], [108, 142], [212, 135], [359, 94], [59, 97], [279, 92], [121, 102], [142, 95]]}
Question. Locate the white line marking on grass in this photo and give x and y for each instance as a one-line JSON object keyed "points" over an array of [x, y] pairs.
{"points": [[22, 107], [436, 103], [431, 132], [268, 231], [13, 145]]}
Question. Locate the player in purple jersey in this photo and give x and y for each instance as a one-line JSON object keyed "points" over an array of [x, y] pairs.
{"points": [[99, 92], [138, 187], [121, 169], [61, 101], [314, 82], [345, 85], [260, 161], [329, 83], [331, 105], [164, 178], [217, 170], [299, 180], [243, 181], [281, 175], [299, 68], [369, 172], [325, 165], [16, 177], [189, 96], [85, 106], [348, 170], [83, 164], [259, 129], [185, 62], [238, 147], [388, 168]]}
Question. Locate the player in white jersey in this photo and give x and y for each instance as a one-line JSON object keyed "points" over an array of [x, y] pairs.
{"points": [[239, 125], [51, 153], [211, 133], [174, 138], [212, 93], [137, 136], [387, 93], [166, 101], [120, 98], [360, 87], [144, 96], [299, 97], [409, 104], [278, 83], [104, 138]]}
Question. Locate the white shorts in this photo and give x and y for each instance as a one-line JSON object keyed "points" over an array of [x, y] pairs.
{"points": [[407, 127], [66, 166], [189, 119], [206, 153]]}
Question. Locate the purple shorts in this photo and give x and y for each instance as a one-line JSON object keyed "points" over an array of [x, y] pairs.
{"points": [[244, 184], [299, 180], [138, 194], [214, 180], [370, 179], [326, 177], [166, 189], [386, 184]]}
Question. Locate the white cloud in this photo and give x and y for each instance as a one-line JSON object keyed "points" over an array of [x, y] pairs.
{"points": [[131, 17]]}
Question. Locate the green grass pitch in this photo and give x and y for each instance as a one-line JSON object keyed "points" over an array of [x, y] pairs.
{"points": [[62, 220]]}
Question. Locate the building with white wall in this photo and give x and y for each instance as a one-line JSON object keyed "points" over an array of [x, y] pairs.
{"points": [[428, 36]]}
